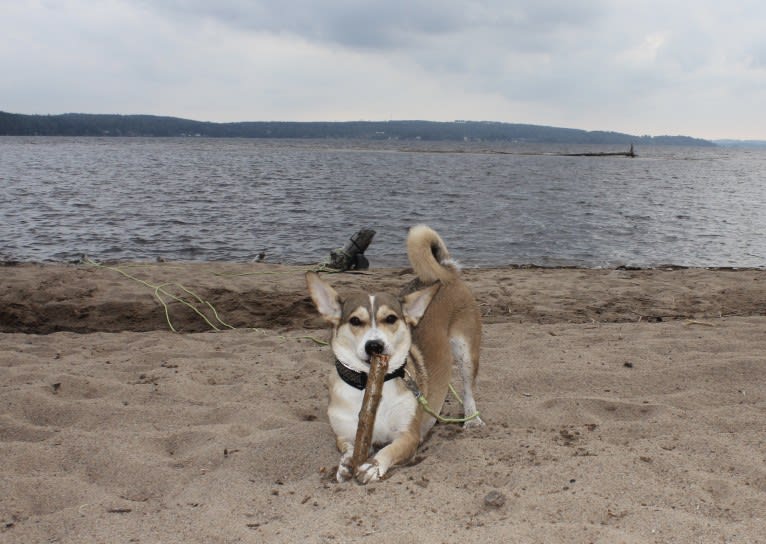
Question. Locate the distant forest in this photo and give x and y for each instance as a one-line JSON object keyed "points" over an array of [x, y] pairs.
{"points": [[81, 124]]}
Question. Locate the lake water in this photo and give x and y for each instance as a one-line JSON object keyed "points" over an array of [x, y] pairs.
{"points": [[295, 200]]}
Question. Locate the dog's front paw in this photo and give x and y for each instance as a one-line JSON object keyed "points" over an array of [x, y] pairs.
{"points": [[369, 472], [344, 472]]}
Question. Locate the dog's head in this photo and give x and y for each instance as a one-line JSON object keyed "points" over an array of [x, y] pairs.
{"points": [[364, 324]]}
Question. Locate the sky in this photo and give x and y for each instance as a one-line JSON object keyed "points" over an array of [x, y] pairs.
{"points": [[695, 68]]}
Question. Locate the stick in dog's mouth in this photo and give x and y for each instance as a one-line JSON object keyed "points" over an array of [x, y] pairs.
{"points": [[372, 395]]}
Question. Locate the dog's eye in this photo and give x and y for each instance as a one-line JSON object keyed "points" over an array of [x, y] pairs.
{"points": [[391, 319], [355, 321]]}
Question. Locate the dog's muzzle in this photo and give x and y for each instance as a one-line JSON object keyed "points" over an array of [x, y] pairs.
{"points": [[375, 347]]}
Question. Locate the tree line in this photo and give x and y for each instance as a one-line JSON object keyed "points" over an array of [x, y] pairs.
{"points": [[81, 124]]}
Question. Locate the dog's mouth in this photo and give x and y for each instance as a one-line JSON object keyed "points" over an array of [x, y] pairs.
{"points": [[393, 362], [367, 360]]}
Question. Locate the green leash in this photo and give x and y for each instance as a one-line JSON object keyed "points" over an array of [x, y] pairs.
{"points": [[427, 407], [160, 291]]}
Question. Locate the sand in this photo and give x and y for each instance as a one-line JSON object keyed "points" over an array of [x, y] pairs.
{"points": [[622, 406]]}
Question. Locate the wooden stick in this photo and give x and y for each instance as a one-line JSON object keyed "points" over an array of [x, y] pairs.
{"points": [[372, 394]]}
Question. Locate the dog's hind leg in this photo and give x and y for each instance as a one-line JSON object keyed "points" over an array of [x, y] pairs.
{"points": [[467, 360]]}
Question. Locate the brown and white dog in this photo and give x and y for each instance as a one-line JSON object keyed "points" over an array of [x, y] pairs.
{"points": [[434, 322]]}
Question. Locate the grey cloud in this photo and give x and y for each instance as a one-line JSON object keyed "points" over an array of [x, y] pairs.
{"points": [[370, 24], [394, 24], [470, 42], [758, 57]]}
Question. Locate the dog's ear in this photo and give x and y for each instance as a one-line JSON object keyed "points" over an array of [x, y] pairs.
{"points": [[414, 305], [325, 298]]}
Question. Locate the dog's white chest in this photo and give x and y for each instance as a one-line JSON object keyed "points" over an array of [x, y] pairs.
{"points": [[395, 411]]}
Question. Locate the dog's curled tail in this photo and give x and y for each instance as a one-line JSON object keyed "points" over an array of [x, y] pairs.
{"points": [[429, 256]]}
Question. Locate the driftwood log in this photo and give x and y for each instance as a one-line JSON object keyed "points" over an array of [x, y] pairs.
{"points": [[351, 256], [372, 394], [630, 153]]}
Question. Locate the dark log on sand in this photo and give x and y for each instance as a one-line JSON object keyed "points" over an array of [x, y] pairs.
{"points": [[351, 256]]}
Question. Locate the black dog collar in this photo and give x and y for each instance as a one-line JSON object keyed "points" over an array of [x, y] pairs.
{"points": [[359, 379]]}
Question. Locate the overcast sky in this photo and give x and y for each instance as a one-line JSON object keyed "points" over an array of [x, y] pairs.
{"points": [[696, 68]]}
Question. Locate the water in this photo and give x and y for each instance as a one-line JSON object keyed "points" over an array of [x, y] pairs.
{"points": [[295, 200]]}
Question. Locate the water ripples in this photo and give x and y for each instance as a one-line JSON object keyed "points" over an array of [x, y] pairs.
{"points": [[200, 199]]}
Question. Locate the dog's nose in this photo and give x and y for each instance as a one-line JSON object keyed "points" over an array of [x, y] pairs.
{"points": [[374, 346]]}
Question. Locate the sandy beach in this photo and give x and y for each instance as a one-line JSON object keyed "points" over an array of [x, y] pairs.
{"points": [[622, 406]]}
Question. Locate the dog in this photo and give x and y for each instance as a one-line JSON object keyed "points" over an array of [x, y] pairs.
{"points": [[434, 322]]}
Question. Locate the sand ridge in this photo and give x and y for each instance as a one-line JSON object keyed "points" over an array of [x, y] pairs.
{"points": [[82, 298]]}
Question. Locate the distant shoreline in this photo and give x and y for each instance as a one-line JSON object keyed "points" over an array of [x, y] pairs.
{"points": [[666, 267], [81, 124]]}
